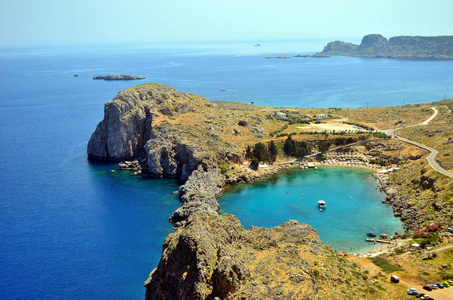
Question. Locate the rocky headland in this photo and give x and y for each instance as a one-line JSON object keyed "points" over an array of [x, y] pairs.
{"points": [[403, 47], [144, 124], [118, 77], [161, 132], [212, 256]]}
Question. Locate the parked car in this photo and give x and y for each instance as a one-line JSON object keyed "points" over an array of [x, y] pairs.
{"points": [[420, 295], [412, 293], [394, 279], [428, 288], [440, 285], [434, 286]]}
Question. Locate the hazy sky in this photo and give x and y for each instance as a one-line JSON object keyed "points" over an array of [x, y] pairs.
{"points": [[53, 22]]}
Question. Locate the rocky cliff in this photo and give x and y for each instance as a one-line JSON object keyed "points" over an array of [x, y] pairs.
{"points": [[406, 47], [174, 135], [212, 256], [140, 123]]}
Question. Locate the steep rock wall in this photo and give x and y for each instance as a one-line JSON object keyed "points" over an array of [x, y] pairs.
{"points": [[135, 126], [141, 123], [212, 256]]}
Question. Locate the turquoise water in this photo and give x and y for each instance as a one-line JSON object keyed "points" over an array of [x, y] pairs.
{"points": [[353, 205]]}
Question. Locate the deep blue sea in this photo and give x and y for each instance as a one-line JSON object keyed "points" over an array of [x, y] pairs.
{"points": [[69, 228]]}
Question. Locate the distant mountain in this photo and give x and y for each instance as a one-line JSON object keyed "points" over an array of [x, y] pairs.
{"points": [[405, 47]]}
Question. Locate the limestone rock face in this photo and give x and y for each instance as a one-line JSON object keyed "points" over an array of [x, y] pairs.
{"points": [[124, 130], [137, 124], [373, 43], [147, 124], [199, 193], [213, 256]]}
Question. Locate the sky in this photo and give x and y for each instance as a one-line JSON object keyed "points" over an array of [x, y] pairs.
{"points": [[81, 22]]}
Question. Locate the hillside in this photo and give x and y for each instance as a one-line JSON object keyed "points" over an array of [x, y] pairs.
{"points": [[214, 257], [404, 47]]}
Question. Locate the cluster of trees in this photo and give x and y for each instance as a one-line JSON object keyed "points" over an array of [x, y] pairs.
{"points": [[293, 148], [268, 153], [261, 153], [339, 141]]}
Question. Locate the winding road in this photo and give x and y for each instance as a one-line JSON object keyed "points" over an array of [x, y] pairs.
{"points": [[432, 156]]}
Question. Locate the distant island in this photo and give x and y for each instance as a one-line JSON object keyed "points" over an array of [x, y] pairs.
{"points": [[317, 55], [403, 47], [118, 77]]}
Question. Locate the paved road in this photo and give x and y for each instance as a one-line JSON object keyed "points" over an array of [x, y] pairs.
{"points": [[443, 248], [431, 157], [432, 117]]}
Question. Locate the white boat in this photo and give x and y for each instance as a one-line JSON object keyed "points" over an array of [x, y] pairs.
{"points": [[322, 204]]}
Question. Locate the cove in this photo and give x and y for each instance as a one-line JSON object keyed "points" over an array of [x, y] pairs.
{"points": [[353, 205]]}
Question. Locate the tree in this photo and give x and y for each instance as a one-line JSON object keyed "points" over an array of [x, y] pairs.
{"points": [[303, 149], [272, 149], [254, 164], [290, 146], [340, 141], [301, 152], [248, 152], [323, 147], [260, 152]]}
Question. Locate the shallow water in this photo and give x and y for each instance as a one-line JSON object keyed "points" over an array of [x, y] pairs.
{"points": [[353, 205]]}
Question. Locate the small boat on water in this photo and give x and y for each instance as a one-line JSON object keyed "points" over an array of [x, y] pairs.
{"points": [[322, 204], [222, 90], [370, 240], [370, 234]]}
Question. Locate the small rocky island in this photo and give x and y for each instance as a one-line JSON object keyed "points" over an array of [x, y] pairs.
{"points": [[403, 47], [118, 77], [317, 55]]}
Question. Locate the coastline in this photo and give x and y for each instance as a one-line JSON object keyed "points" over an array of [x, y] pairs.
{"points": [[248, 176]]}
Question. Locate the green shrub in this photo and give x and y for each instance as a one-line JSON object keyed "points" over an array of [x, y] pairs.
{"points": [[400, 251], [316, 272], [385, 265], [223, 169], [445, 275]]}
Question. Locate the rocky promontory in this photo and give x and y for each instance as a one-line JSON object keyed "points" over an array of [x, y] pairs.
{"points": [[175, 135], [212, 256], [118, 77], [404, 47]]}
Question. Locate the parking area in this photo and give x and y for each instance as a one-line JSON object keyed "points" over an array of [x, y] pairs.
{"points": [[439, 294]]}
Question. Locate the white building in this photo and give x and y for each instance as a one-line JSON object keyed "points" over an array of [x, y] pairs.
{"points": [[281, 115], [322, 116]]}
